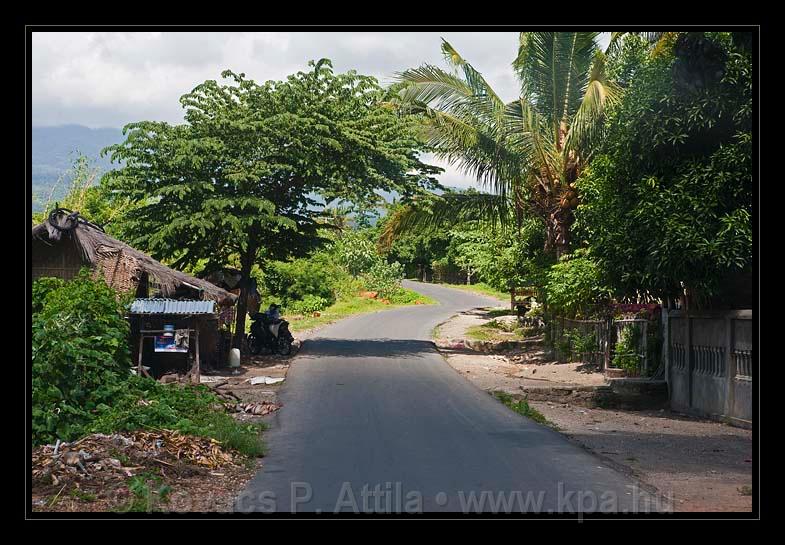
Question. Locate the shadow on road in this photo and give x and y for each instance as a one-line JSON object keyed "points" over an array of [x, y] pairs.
{"points": [[365, 348]]}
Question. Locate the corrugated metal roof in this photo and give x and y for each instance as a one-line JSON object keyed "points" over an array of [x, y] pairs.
{"points": [[171, 306]]}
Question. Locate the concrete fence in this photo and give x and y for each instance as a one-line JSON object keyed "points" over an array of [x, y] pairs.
{"points": [[709, 364]]}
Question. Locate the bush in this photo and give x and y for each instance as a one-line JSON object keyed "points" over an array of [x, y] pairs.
{"points": [[41, 288], [626, 351], [403, 296], [295, 280], [81, 380], [575, 285], [356, 253], [582, 343], [384, 278], [309, 305], [80, 354]]}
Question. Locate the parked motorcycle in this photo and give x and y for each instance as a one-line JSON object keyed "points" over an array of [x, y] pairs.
{"points": [[269, 334]]}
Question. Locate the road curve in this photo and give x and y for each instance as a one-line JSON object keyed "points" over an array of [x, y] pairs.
{"points": [[374, 420]]}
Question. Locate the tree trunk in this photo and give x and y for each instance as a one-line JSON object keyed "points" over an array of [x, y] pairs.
{"points": [[557, 232], [242, 303]]}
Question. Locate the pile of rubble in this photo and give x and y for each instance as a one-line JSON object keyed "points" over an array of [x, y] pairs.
{"points": [[260, 409], [119, 456]]}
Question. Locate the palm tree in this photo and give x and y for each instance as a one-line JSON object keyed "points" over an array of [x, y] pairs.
{"points": [[527, 152]]}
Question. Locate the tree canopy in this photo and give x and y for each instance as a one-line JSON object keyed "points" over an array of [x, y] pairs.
{"points": [[667, 204], [249, 171]]}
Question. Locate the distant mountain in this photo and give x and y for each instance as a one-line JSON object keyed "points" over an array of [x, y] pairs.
{"points": [[54, 150]]}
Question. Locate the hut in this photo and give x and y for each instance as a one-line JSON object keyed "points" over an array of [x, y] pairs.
{"points": [[65, 243]]}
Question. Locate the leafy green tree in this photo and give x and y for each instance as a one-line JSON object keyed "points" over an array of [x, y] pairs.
{"points": [[417, 249], [240, 175], [528, 152], [501, 258], [667, 204], [576, 285]]}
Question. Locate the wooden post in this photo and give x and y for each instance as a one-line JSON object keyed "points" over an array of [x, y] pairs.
{"points": [[139, 367], [197, 376]]}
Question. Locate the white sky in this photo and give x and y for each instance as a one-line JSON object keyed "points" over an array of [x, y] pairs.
{"points": [[108, 79]]}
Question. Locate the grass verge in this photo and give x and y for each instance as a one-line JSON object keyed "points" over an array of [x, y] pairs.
{"points": [[352, 305], [522, 408], [487, 332]]}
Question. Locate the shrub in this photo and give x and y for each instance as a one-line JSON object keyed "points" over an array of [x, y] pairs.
{"points": [[384, 278], [81, 381], [80, 354], [403, 296], [582, 343], [309, 305], [356, 253], [575, 284], [295, 280], [41, 288], [626, 351]]}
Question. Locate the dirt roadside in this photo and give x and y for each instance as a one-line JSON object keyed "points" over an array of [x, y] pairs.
{"points": [[704, 466]]}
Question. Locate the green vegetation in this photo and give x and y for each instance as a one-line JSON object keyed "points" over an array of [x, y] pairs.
{"points": [[528, 152], [626, 351], [147, 494], [578, 344], [647, 197], [496, 330], [521, 407], [236, 181], [575, 285], [81, 380], [85, 196], [483, 289], [79, 354], [354, 304], [667, 204]]}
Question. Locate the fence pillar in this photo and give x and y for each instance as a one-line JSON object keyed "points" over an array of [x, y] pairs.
{"points": [[730, 367], [688, 355], [666, 342]]}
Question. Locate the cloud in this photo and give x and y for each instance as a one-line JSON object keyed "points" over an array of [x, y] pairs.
{"points": [[108, 79]]}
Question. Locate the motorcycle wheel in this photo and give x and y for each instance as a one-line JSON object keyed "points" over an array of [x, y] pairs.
{"points": [[284, 347], [254, 346]]}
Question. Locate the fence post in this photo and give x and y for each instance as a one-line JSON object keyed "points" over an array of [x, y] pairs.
{"points": [[690, 363], [730, 367], [607, 348], [665, 325], [644, 336]]}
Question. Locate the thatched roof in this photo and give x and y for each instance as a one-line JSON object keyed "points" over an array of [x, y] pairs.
{"points": [[123, 266]]}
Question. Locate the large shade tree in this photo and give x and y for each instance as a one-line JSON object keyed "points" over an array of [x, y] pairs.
{"points": [[668, 201], [245, 176], [527, 153]]}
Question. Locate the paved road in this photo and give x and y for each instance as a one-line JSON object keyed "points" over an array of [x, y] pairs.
{"points": [[374, 420]]}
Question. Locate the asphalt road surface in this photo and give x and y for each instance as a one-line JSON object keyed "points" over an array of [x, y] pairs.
{"points": [[375, 421]]}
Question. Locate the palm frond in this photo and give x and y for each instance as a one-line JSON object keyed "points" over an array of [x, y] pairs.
{"points": [[473, 78], [553, 68], [444, 211], [463, 120], [598, 94], [529, 134]]}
